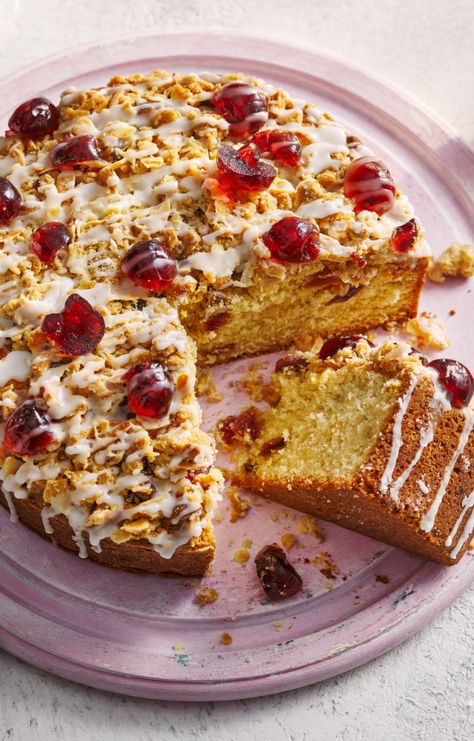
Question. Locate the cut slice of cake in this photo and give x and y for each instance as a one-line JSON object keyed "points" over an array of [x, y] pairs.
{"points": [[102, 450], [373, 439]]}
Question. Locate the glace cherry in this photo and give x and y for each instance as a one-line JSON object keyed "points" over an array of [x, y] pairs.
{"points": [[35, 118], [149, 264], [456, 379], [283, 145], [149, 390], [334, 344], [77, 329], [243, 106], [28, 429], [49, 239], [277, 576], [10, 201], [404, 237], [74, 152], [370, 184], [241, 171], [293, 240]]}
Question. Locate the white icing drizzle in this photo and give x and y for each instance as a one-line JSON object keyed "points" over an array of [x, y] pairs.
{"points": [[15, 366], [426, 437], [11, 506], [397, 440], [467, 504], [428, 520]]}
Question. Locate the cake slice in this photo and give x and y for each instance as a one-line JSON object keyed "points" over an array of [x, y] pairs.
{"points": [[102, 450], [373, 439]]}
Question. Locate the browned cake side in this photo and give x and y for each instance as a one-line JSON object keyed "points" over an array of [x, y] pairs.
{"points": [[360, 504], [192, 559]]}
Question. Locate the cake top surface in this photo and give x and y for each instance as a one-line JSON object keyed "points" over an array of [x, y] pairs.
{"points": [[158, 137]]}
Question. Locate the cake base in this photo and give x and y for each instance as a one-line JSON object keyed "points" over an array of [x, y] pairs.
{"points": [[138, 556]]}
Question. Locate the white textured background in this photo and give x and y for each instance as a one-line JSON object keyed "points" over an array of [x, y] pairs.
{"points": [[423, 690]]}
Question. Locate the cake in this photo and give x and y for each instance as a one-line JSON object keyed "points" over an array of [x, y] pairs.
{"points": [[165, 215], [375, 439]]}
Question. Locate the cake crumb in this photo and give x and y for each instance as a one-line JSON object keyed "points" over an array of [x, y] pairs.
{"points": [[226, 638], [206, 595], [247, 543], [239, 506], [205, 386], [326, 565], [427, 330], [278, 624], [288, 540], [178, 647], [241, 556], [382, 578], [457, 261], [308, 526], [452, 312]]}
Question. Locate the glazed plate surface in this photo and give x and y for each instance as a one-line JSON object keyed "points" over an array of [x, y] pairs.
{"points": [[146, 635]]}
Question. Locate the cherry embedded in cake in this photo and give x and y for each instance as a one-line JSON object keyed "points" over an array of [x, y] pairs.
{"points": [[293, 240], [242, 170], [10, 201], [150, 265], [48, 239], [75, 152], [28, 429], [284, 146], [370, 184], [456, 379], [404, 236], [34, 119], [149, 390], [243, 106], [335, 344], [77, 329]]}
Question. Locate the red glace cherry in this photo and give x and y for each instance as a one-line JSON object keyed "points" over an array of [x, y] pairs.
{"points": [[404, 237], [283, 145], [334, 344], [35, 118], [241, 171], [293, 240], [76, 151], [49, 239], [77, 329], [149, 264], [370, 184], [28, 429], [10, 201], [149, 390], [277, 576], [243, 106], [456, 379]]}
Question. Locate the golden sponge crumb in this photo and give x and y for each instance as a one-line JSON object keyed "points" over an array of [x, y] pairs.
{"points": [[427, 331], [457, 261], [206, 595]]}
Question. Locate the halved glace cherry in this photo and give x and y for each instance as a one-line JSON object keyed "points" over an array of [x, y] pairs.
{"points": [[283, 145], [370, 184], [28, 429], [49, 239], [243, 106], [34, 118], [456, 379], [240, 170], [277, 576], [404, 237], [334, 344], [149, 264], [76, 151], [77, 329], [293, 240], [149, 389], [10, 201]]}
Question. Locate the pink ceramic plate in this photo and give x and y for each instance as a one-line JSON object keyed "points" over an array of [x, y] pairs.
{"points": [[146, 636]]}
